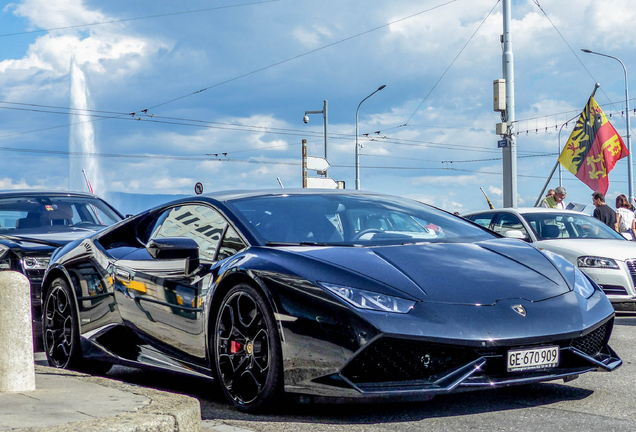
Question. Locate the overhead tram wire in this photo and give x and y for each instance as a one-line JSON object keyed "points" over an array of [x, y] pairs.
{"points": [[260, 69], [536, 2], [300, 55], [450, 65], [137, 18], [230, 126]]}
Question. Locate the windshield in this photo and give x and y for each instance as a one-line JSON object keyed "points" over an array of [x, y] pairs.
{"points": [[554, 225], [49, 214], [348, 220]]}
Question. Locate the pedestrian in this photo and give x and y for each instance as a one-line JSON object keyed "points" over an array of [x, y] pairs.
{"points": [[551, 192], [603, 212], [625, 220], [555, 201]]}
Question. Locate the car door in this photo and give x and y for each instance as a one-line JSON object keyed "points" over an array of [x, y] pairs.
{"points": [[164, 297]]}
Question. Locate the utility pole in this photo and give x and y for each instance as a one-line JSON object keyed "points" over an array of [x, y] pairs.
{"points": [[508, 116], [304, 167], [325, 116]]}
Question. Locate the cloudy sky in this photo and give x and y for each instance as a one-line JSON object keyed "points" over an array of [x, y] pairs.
{"points": [[226, 84]]}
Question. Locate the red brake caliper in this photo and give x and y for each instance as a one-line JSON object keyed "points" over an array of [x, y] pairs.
{"points": [[234, 347]]}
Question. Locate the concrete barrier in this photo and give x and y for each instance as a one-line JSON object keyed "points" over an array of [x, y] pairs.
{"points": [[17, 367]]}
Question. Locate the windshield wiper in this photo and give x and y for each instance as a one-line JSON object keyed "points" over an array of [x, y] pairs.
{"points": [[272, 243], [305, 243], [31, 240]]}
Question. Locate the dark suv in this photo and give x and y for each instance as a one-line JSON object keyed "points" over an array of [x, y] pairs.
{"points": [[35, 223]]}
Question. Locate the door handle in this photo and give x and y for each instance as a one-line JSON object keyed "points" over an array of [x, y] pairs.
{"points": [[123, 274]]}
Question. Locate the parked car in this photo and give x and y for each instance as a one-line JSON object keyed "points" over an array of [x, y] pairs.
{"points": [[597, 250], [326, 294], [34, 223]]}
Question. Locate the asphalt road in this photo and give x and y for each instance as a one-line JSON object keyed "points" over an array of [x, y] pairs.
{"points": [[593, 402]]}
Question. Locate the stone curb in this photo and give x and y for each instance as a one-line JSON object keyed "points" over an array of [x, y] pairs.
{"points": [[169, 412]]}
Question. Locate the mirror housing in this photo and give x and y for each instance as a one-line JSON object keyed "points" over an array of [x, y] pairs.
{"points": [[175, 248], [516, 234]]}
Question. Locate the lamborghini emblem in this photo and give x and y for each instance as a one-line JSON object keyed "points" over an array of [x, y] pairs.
{"points": [[519, 309]]}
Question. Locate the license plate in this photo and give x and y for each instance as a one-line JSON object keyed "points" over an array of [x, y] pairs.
{"points": [[534, 358]]}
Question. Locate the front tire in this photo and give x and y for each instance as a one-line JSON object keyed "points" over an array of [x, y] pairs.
{"points": [[60, 331], [247, 350]]}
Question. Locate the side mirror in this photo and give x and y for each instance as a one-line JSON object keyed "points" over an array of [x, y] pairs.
{"points": [[175, 248], [516, 234]]}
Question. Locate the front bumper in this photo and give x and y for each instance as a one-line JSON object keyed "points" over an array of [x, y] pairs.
{"points": [[391, 367], [618, 284]]}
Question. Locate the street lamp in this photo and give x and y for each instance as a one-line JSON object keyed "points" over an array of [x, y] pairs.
{"points": [[325, 116], [630, 179], [357, 147]]}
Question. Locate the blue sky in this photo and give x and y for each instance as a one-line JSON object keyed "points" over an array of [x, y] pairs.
{"points": [[264, 63]]}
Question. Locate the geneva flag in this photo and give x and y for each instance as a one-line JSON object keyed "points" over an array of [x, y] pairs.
{"points": [[593, 148]]}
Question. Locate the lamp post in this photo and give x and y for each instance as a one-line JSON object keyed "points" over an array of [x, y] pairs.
{"points": [[357, 146], [325, 116], [630, 179]]}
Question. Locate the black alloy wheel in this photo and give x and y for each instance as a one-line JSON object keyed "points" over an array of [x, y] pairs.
{"points": [[61, 331], [60, 326], [247, 350]]}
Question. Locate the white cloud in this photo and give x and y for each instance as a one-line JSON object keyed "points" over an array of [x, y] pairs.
{"points": [[54, 14], [311, 37], [495, 190]]}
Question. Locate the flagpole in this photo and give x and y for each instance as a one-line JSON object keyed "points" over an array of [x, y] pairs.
{"points": [[546, 183], [596, 86], [492, 207]]}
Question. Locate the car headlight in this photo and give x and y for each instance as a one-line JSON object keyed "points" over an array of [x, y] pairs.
{"points": [[370, 300], [582, 285], [596, 262], [33, 263]]}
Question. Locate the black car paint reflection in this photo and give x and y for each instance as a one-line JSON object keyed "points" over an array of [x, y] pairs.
{"points": [[296, 291]]}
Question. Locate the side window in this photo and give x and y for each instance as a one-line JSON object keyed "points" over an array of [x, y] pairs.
{"points": [[506, 222], [201, 223], [230, 245], [482, 219]]}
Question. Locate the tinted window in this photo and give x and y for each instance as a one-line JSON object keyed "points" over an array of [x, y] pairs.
{"points": [[482, 219], [506, 222], [201, 223], [230, 245], [554, 225], [350, 219], [42, 214]]}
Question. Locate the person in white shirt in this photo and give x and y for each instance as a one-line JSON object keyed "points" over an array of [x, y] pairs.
{"points": [[625, 220]]}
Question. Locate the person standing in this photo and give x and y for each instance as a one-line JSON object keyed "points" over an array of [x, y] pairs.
{"points": [[625, 220], [555, 201], [603, 212]]}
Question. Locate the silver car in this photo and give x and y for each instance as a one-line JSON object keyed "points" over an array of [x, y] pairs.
{"points": [[599, 251]]}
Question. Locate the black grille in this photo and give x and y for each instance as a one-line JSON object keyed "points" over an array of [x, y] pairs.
{"points": [[631, 265], [614, 289], [592, 343], [389, 360]]}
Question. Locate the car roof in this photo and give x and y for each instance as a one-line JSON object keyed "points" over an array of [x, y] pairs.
{"points": [[524, 210], [43, 192], [239, 194]]}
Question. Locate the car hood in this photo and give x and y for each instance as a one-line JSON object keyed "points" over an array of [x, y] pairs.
{"points": [[460, 273], [615, 249], [38, 240]]}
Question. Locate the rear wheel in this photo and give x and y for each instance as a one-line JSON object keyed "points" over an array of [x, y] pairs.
{"points": [[247, 350], [61, 331]]}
